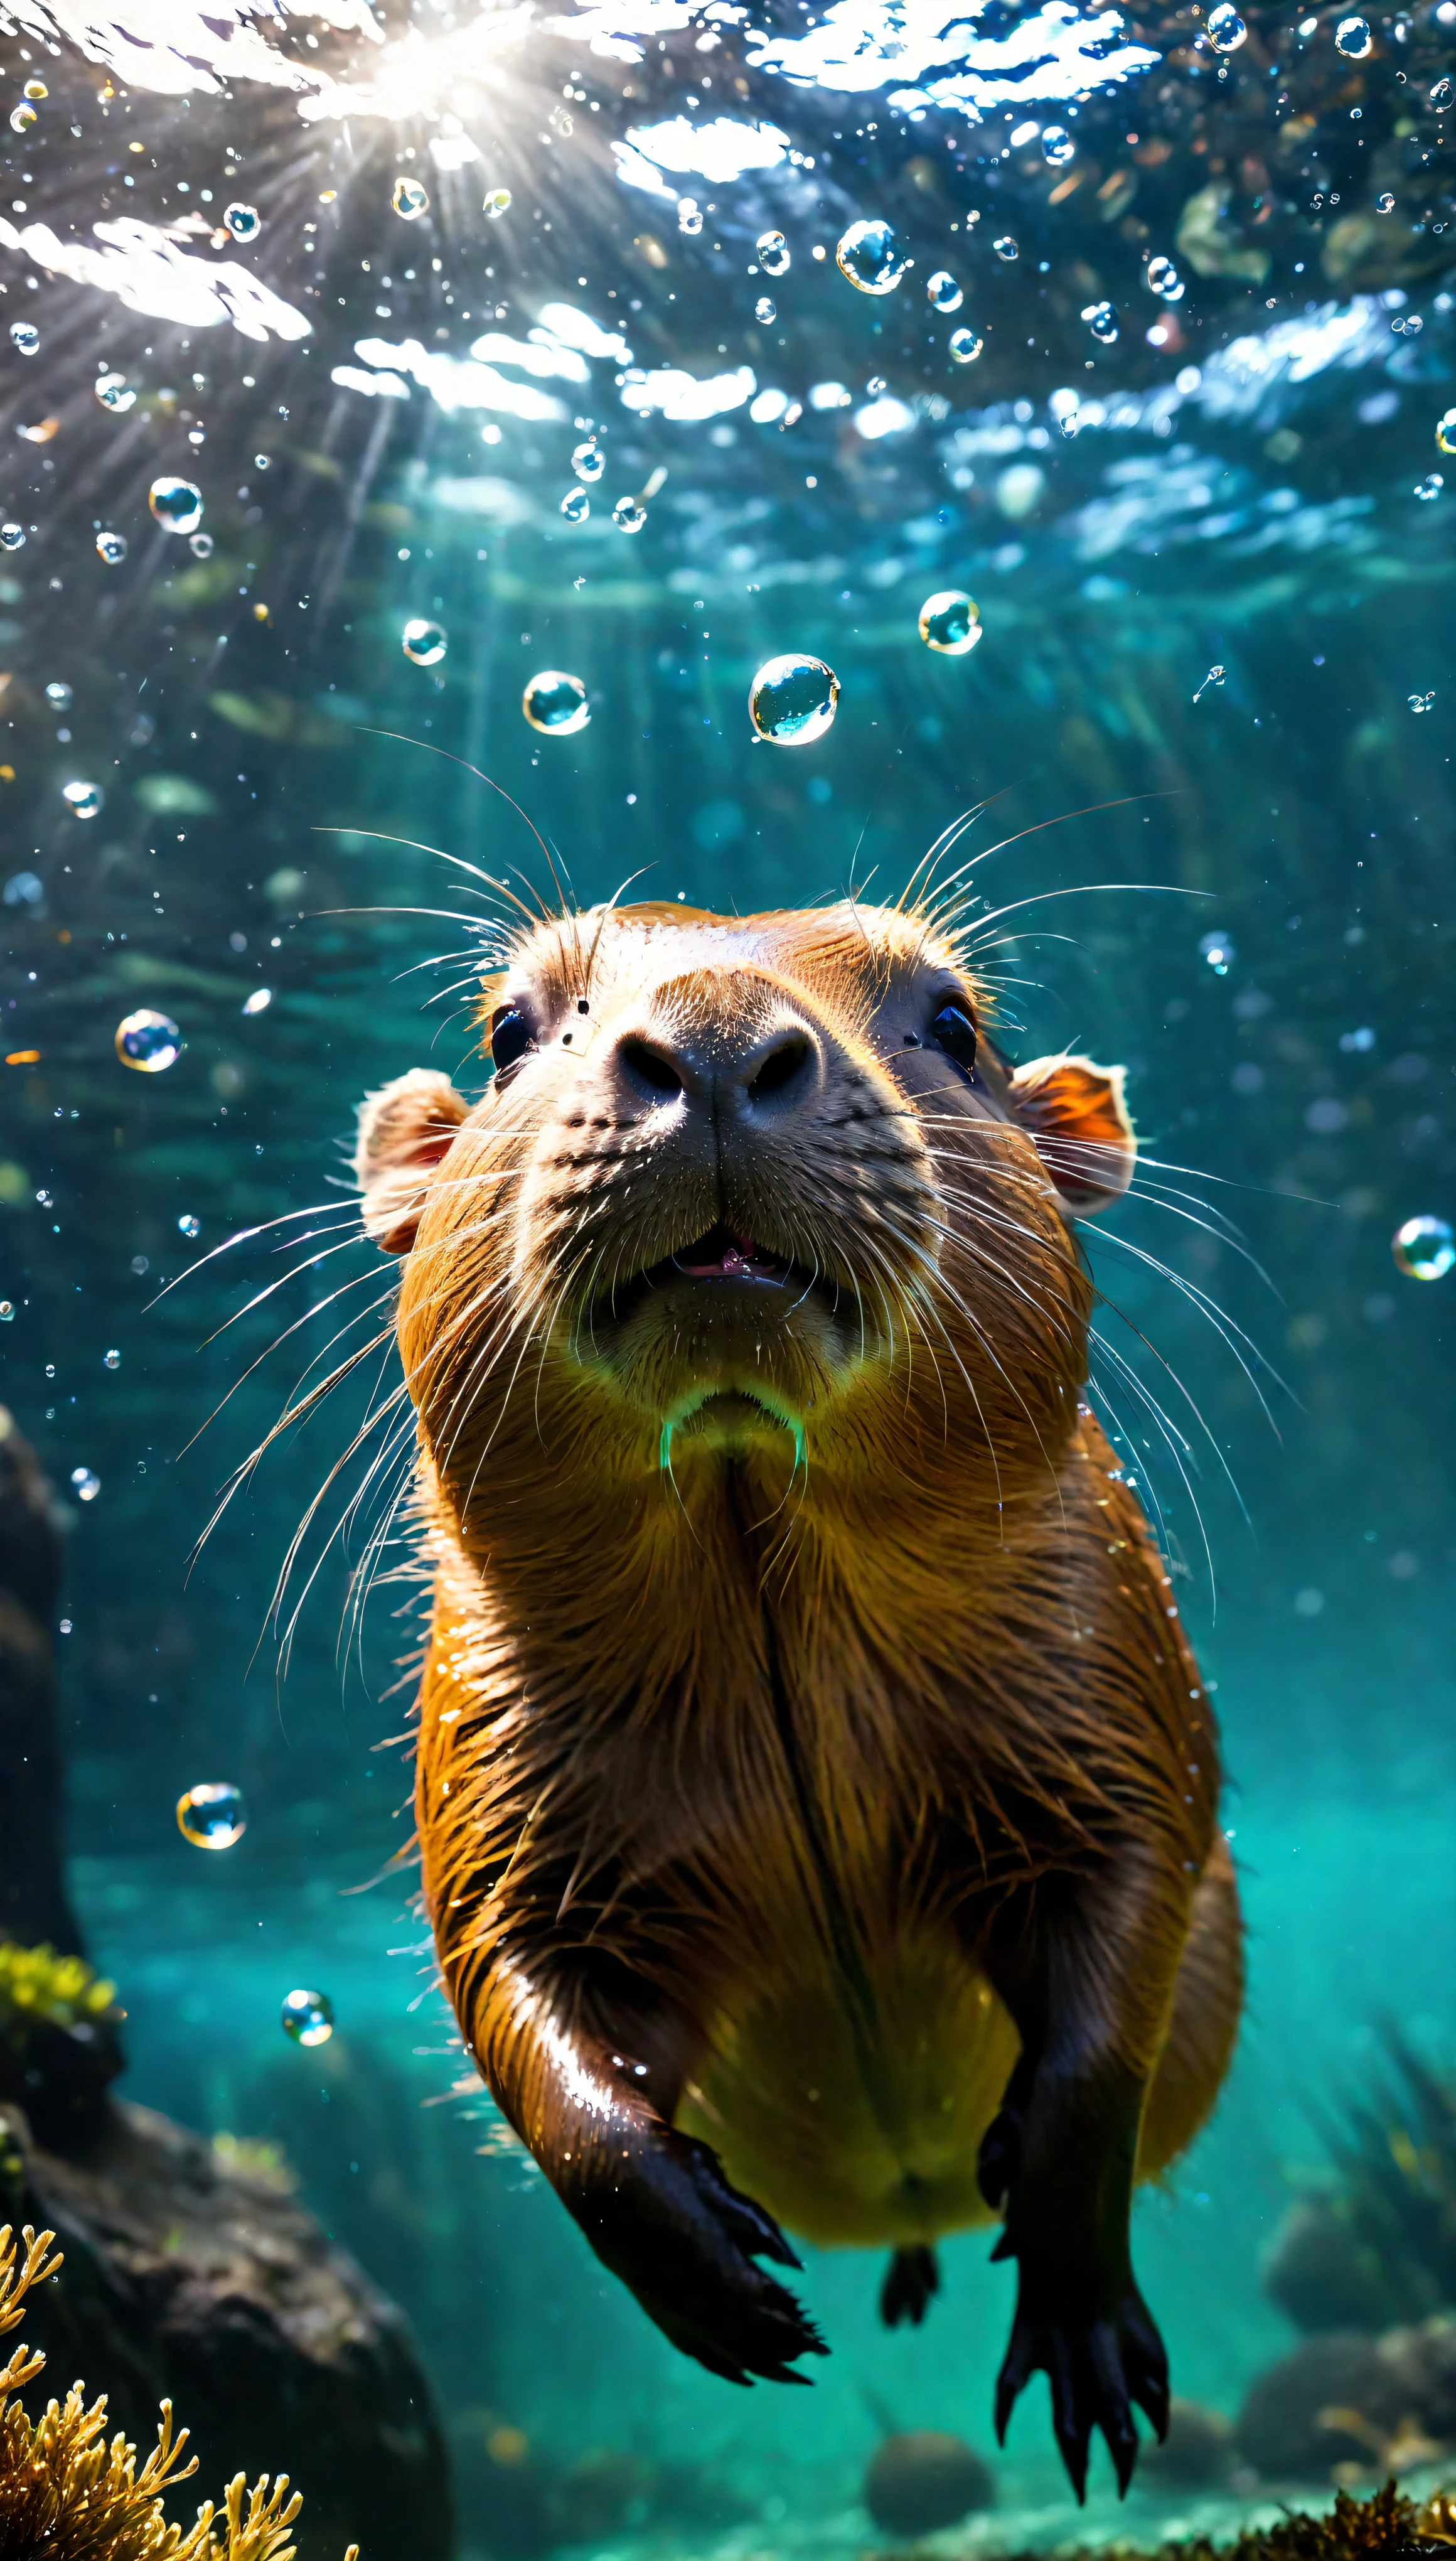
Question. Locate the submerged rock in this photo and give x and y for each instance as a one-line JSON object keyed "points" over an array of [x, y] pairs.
{"points": [[1333, 2400], [924, 2479], [1196, 2453], [188, 2277]]}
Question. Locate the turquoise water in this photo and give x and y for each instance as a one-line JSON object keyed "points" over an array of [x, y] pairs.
{"points": [[1259, 931]]}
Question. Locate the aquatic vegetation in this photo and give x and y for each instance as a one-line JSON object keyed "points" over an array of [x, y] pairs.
{"points": [[65, 2491], [1378, 2244], [41, 1988]]}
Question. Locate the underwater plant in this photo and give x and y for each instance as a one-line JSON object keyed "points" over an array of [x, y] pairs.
{"points": [[1379, 2246], [67, 2492], [39, 1987]]}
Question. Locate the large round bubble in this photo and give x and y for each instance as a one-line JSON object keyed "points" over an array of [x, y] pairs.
{"points": [[793, 700]]}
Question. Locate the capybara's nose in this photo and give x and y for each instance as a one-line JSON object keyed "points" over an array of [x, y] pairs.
{"points": [[757, 1074]]}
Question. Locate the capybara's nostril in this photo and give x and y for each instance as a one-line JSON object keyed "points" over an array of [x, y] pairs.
{"points": [[650, 1069], [785, 1068]]}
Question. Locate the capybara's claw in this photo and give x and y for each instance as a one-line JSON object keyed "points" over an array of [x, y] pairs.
{"points": [[1097, 2368]]}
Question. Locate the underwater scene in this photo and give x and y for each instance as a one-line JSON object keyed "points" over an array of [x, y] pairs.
{"points": [[728, 1222]]}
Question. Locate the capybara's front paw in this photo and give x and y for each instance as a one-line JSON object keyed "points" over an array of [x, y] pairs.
{"points": [[1099, 2361], [687, 2242]]}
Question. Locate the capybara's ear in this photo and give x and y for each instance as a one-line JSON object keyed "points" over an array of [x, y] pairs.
{"points": [[403, 1130], [1079, 1121]]}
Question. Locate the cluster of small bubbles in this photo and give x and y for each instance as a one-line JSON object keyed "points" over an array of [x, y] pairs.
{"points": [[575, 506], [1386, 204], [1005, 248], [1446, 430], [84, 1484], [1430, 487], [942, 291], [772, 253], [588, 462], [1101, 319], [1219, 951], [556, 704], [1420, 702], [1214, 678], [308, 2017], [1424, 1249], [1226, 29], [765, 309], [1057, 145], [423, 643], [1161, 278], [690, 217], [21, 119], [7, 1311], [110, 547], [213, 1816], [1353, 37], [950, 622], [1407, 325], [12, 537], [1441, 94], [964, 346], [189, 1226], [111, 1360], [871, 256], [200, 545], [629, 515], [498, 202], [792, 699], [25, 337], [84, 799], [60, 697], [115, 392], [409, 199], [176, 504], [148, 1041]]}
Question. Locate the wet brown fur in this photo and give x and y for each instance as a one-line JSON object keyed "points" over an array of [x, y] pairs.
{"points": [[759, 1762]]}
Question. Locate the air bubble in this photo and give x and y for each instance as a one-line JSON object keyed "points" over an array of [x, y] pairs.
{"points": [[690, 217], [1161, 278], [189, 1226], [764, 310], [213, 1816], [25, 337], [12, 537], [21, 119], [84, 799], [1214, 678], [1446, 430], [35, 89], [409, 199], [1219, 951], [308, 2017], [556, 704], [244, 222], [201, 546], [1419, 702], [1057, 145], [950, 622], [498, 202], [629, 515], [1424, 1249], [60, 697], [793, 700], [942, 291], [1386, 204], [258, 1002], [85, 1484], [1005, 248], [1441, 93], [772, 253], [115, 393], [7, 1311], [964, 346], [110, 1360], [176, 504], [1101, 319], [112, 547], [871, 256], [148, 1041], [424, 643], [1352, 39], [1226, 29], [575, 506], [588, 462], [1430, 487]]}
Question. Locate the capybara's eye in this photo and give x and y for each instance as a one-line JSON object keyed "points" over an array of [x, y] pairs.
{"points": [[510, 1037], [953, 1031]]}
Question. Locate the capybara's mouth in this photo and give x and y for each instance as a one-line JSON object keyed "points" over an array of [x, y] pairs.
{"points": [[723, 1253]]}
